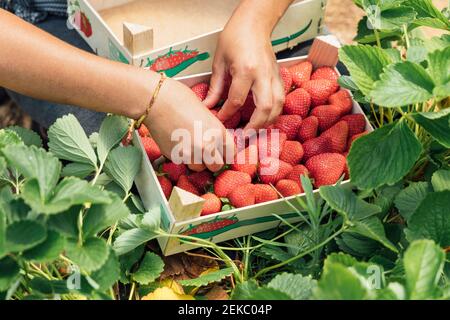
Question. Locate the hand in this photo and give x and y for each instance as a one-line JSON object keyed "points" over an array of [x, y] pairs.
{"points": [[245, 53], [177, 113]]}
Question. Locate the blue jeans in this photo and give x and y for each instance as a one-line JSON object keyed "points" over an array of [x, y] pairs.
{"points": [[45, 113]]}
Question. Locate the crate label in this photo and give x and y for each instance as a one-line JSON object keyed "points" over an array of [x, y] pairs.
{"points": [[115, 53], [79, 19]]}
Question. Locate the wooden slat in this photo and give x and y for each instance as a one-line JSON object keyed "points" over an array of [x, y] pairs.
{"points": [[185, 205], [324, 51], [137, 39]]}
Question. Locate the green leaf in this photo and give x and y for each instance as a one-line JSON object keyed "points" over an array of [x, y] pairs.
{"points": [[151, 220], [409, 198], [266, 293], [48, 250], [23, 235], [48, 287], [391, 18], [244, 290], [149, 269], [441, 180], [402, 84], [384, 156], [68, 141], [112, 130], [357, 245], [208, 278], [29, 137], [101, 216], [77, 169], [365, 64], [439, 66], [9, 272], [423, 262], [108, 273], [70, 191], [365, 35], [347, 203], [90, 256], [347, 82], [428, 14], [296, 286], [8, 137], [131, 239], [2, 231], [416, 54], [373, 229], [66, 222], [437, 124], [341, 283], [431, 220], [35, 163], [123, 164]]}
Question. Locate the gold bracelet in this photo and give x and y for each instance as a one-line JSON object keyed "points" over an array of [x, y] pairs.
{"points": [[138, 122]]}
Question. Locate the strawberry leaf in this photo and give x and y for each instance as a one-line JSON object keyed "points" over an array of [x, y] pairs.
{"points": [[112, 130], [296, 286], [122, 164], [437, 124], [89, 256], [410, 198], [29, 137], [441, 180], [207, 278], [149, 269]]}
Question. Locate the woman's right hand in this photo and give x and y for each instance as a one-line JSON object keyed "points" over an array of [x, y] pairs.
{"points": [[185, 129]]}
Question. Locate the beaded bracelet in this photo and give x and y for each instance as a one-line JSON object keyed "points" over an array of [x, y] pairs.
{"points": [[138, 122]]}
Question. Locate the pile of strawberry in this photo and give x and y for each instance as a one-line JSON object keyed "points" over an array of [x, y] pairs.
{"points": [[316, 131]]}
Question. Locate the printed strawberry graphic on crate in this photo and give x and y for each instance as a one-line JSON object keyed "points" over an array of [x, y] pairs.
{"points": [[209, 227], [175, 61]]}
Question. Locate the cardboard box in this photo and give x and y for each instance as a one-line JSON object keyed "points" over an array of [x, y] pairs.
{"points": [[235, 223], [178, 37]]}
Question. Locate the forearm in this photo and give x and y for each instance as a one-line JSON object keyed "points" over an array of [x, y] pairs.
{"points": [[37, 64], [263, 15]]}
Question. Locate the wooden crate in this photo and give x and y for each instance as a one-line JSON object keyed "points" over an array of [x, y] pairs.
{"points": [[178, 37]]}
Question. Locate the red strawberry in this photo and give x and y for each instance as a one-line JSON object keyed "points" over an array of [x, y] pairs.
{"points": [[288, 188], [201, 90], [327, 115], [353, 138], [308, 129], [230, 180], [301, 73], [211, 205], [286, 77], [326, 168], [143, 131], [247, 109], [356, 123], [151, 148], [326, 73], [201, 180], [242, 196], [264, 193], [316, 146], [292, 152], [297, 102], [319, 90], [272, 170], [247, 161], [343, 100], [172, 59], [297, 171], [183, 183], [166, 186], [173, 170], [338, 135], [268, 146], [289, 124]]}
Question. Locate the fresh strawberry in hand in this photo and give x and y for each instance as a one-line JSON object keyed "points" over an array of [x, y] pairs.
{"points": [[356, 123], [289, 124], [286, 77], [247, 161], [326, 73], [316, 146], [166, 186], [298, 171], [174, 171], [183, 183], [292, 152], [326, 168], [288, 188], [319, 90], [230, 180], [151, 148], [201, 180], [327, 115], [343, 100], [272, 170], [301, 73], [201, 90], [211, 205], [297, 102], [242, 196], [308, 129], [338, 135], [264, 193]]}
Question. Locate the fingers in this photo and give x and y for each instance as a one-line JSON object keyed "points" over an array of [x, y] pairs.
{"points": [[262, 93], [196, 167], [239, 89], [277, 99], [216, 87]]}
